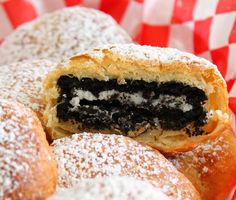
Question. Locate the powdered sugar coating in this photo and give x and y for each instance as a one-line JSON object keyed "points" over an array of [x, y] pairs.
{"points": [[18, 149], [152, 54], [112, 188], [85, 155], [23, 82], [202, 156], [61, 34]]}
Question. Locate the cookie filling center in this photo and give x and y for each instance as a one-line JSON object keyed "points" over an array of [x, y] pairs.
{"points": [[133, 106]]}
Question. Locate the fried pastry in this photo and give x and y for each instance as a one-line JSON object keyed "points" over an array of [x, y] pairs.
{"points": [[61, 34], [211, 167], [23, 82], [88, 155], [162, 97], [27, 168], [112, 188]]}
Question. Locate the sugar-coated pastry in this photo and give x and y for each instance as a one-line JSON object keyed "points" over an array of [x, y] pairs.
{"points": [[23, 81], [111, 188], [211, 167], [61, 34], [162, 97], [27, 168], [88, 155]]}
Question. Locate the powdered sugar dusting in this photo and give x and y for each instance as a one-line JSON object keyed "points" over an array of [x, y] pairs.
{"points": [[204, 154], [114, 188], [152, 55], [17, 147], [85, 155], [157, 54], [62, 34], [22, 82]]}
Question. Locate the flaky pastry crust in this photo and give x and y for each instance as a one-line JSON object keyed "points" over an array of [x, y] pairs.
{"points": [[27, 166], [211, 167], [88, 156], [60, 34], [23, 82], [150, 64]]}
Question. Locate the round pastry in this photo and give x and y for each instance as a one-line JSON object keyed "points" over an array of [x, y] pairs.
{"points": [[27, 168], [61, 34], [162, 97], [211, 167], [22, 82], [112, 188], [88, 155]]}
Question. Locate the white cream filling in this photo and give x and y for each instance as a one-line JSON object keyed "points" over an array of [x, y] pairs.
{"points": [[135, 98], [173, 102]]}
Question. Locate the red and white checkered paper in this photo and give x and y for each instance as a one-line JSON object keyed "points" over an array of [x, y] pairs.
{"points": [[206, 28]]}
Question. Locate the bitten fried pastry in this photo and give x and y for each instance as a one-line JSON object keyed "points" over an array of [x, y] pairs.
{"points": [[211, 167], [88, 155], [23, 82], [111, 188], [61, 34], [162, 97], [27, 168]]}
